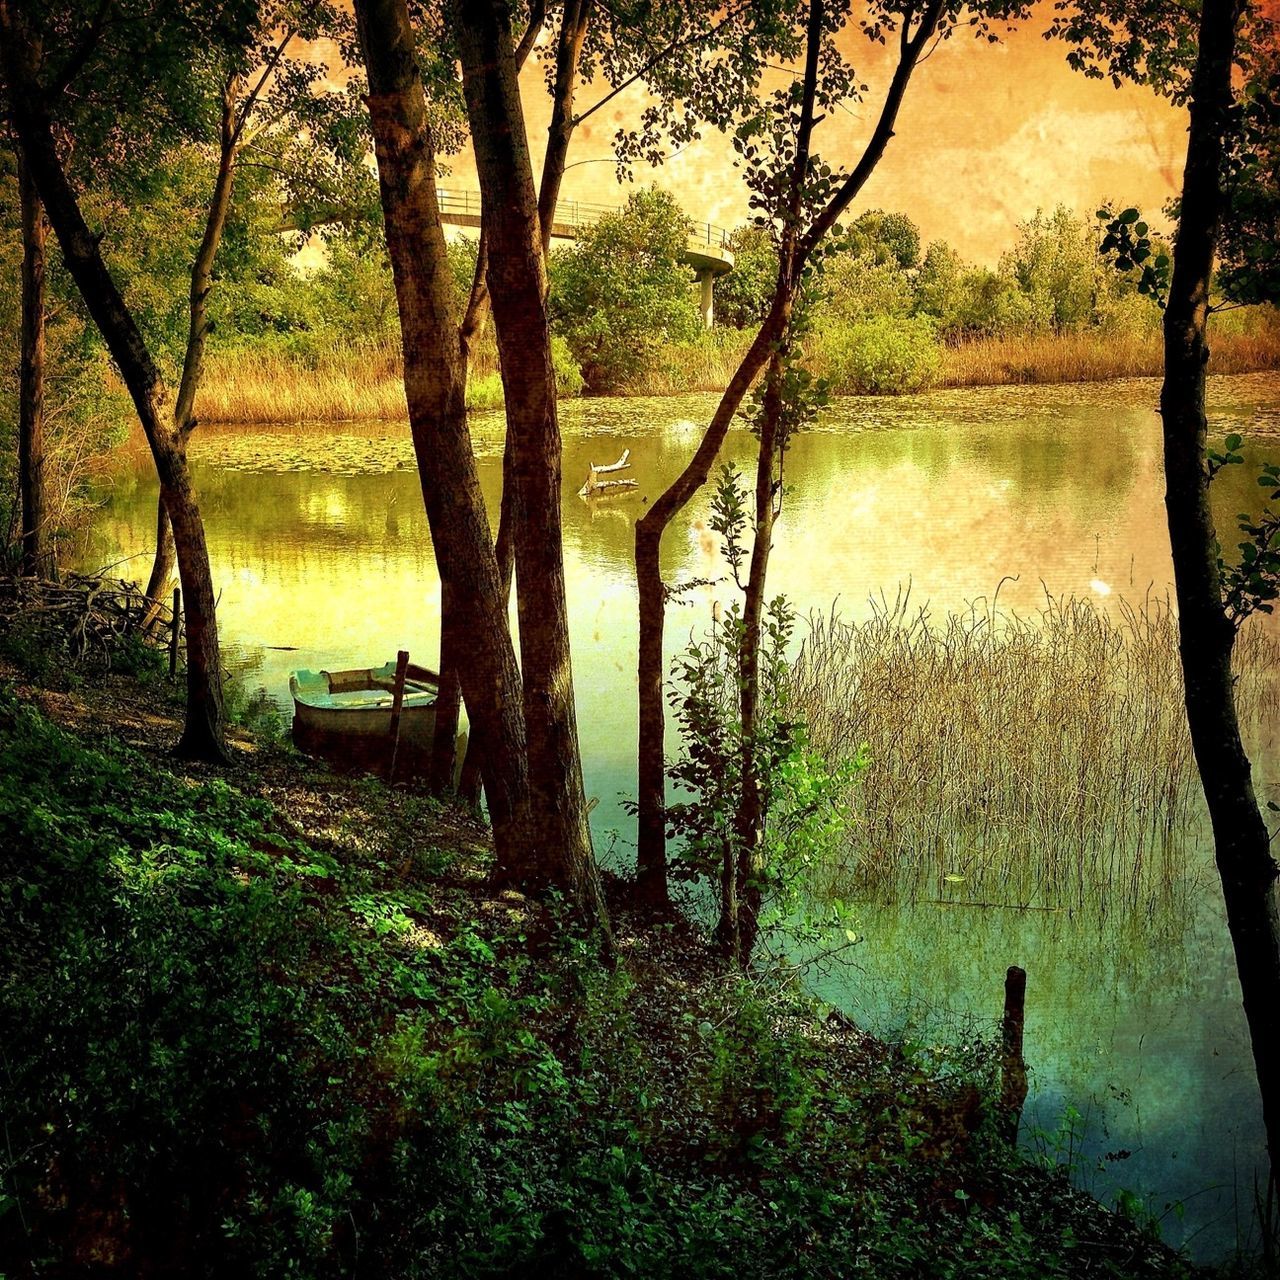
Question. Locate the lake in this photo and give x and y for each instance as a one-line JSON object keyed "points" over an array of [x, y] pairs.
{"points": [[322, 556]]}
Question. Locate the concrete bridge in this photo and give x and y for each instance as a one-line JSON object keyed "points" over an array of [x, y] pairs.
{"points": [[707, 250]]}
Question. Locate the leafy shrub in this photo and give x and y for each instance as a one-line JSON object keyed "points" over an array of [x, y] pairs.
{"points": [[569, 379], [622, 293], [882, 355]]}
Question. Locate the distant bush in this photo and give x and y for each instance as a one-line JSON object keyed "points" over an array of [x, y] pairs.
{"points": [[882, 355], [744, 295], [622, 293]]}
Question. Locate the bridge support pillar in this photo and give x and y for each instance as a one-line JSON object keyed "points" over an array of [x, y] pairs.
{"points": [[706, 279]]}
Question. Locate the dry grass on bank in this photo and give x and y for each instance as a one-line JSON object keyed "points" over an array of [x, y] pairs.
{"points": [[269, 386], [1095, 357], [352, 383], [1041, 760]]}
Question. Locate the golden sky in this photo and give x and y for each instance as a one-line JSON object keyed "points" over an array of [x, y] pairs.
{"points": [[987, 134]]}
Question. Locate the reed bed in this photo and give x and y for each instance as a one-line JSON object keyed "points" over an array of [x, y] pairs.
{"points": [[347, 383], [353, 382], [1032, 761], [705, 365], [1096, 356]]}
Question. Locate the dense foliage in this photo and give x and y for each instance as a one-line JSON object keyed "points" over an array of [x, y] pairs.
{"points": [[622, 294], [232, 1049]]}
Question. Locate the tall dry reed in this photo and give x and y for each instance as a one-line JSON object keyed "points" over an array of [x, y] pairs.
{"points": [[705, 365], [1096, 356], [1040, 760], [345, 383]]}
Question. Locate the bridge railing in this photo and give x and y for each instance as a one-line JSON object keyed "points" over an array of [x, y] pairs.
{"points": [[577, 214]]}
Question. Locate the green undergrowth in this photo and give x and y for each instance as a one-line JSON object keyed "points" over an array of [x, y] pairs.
{"points": [[243, 1041]]}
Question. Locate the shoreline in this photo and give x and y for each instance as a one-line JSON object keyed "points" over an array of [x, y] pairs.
{"points": [[365, 386], [389, 892]]}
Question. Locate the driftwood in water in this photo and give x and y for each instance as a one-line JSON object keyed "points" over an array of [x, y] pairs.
{"points": [[92, 614], [597, 488]]}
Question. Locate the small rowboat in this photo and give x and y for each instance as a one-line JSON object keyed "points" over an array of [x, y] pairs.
{"points": [[347, 717]]}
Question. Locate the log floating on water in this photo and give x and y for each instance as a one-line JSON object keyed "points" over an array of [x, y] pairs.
{"points": [[597, 488]]}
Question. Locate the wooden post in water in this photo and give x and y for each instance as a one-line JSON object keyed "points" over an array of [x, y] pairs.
{"points": [[397, 705], [174, 631], [1013, 1067]]}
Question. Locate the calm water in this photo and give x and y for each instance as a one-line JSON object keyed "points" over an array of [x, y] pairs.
{"points": [[322, 555]]}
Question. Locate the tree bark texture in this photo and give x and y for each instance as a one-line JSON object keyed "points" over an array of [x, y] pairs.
{"points": [[562, 856], [1207, 634], [37, 559], [436, 395], [204, 731]]}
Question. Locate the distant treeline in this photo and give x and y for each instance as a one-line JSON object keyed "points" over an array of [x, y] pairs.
{"points": [[306, 326]]}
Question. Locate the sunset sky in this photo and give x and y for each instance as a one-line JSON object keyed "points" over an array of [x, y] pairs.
{"points": [[987, 134]]}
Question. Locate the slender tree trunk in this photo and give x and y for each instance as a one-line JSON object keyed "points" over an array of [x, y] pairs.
{"points": [[471, 329], [163, 564], [517, 279], [36, 554], [436, 395], [1207, 635], [750, 818], [198, 328], [651, 854], [203, 734], [575, 18], [454, 650], [651, 857]]}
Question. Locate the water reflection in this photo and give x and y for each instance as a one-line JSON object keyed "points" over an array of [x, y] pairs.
{"points": [[319, 543]]}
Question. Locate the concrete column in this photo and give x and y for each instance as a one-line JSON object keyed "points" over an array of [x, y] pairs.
{"points": [[707, 280]]}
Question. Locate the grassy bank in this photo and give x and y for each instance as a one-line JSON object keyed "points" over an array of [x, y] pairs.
{"points": [[351, 383], [268, 1021]]}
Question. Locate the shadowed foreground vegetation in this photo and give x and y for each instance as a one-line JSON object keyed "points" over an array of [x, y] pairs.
{"points": [[240, 1042]]}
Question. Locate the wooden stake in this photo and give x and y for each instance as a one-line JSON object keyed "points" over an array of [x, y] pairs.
{"points": [[397, 704], [1013, 1068], [175, 630]]}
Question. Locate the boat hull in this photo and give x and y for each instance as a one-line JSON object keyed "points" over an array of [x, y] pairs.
{"points": [[344, 718]]}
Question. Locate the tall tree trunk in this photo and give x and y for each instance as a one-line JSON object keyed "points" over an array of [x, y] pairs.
{"points": [[203, 734], [436, 396], [1207, 635], [36, 553], [517, 277], [198, 327], [469, 334], [750, 819], [651, 856]]}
